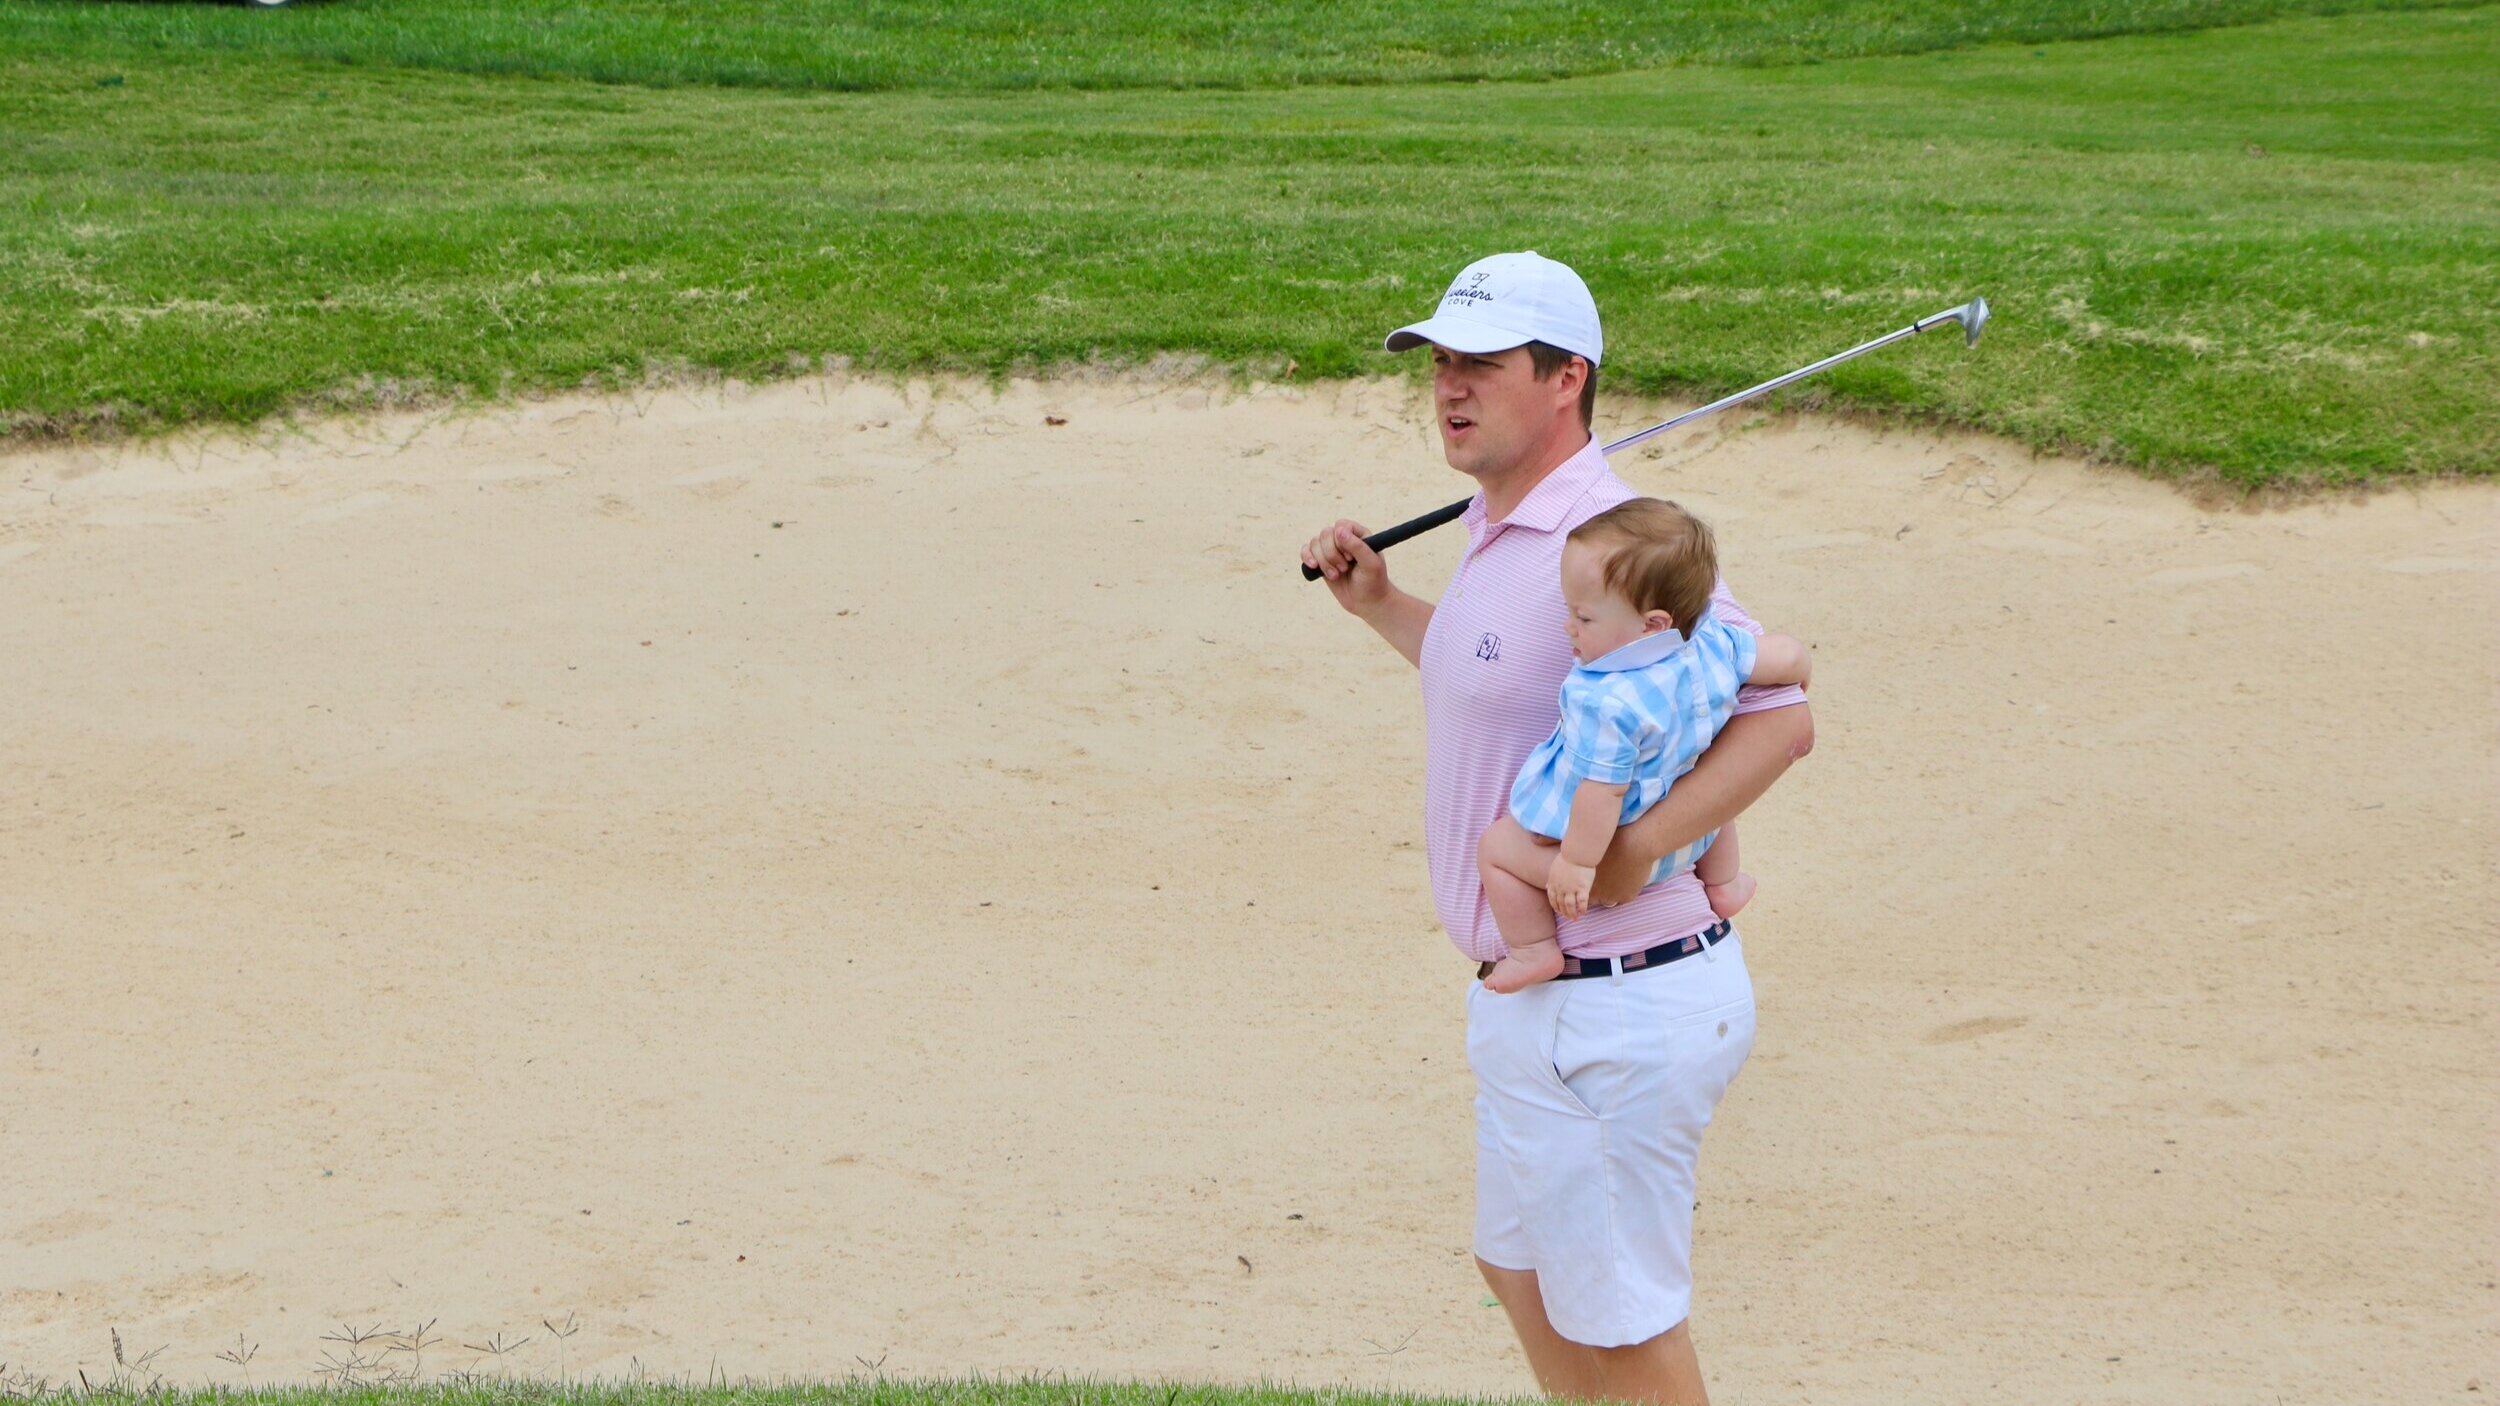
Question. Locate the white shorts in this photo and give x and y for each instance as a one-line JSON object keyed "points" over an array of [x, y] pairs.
{"points": [[1591, 1097]]}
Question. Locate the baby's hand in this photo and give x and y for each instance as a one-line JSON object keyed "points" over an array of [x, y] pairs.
{"points": [[1567, 887]]}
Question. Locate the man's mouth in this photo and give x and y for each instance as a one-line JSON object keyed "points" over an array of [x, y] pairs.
{"points": [[1456, 423]]}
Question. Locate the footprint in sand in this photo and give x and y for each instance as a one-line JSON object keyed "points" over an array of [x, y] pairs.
{"points": [[64, 1225], [134, 517], [1236, 561], [714, 484], [2190, 575], [717, 489], [1816, 541], [196, 1289], [344, 508], [517, 473], [1972, 1029], [2023, 539], [2432, 566], [1973, 480], [609, 505]]}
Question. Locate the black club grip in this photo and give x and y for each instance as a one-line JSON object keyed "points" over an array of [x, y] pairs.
{"points": [[1388, 537]]}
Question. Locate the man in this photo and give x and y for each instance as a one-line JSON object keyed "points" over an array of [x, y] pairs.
{"points": [[1592, 1090]]}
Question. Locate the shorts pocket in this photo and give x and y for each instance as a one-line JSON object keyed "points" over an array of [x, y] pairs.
{"points": [[1586, 1047], [1728, 1010]]}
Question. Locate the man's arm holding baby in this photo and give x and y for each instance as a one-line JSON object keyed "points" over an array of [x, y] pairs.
{"points": [[1749, 754], [1595, 807]]}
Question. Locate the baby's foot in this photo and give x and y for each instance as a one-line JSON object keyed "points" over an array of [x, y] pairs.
{"points": [[1525, 968], [1730, 898]]}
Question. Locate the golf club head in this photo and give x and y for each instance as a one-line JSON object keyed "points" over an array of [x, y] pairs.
{"points": [[1973, 316]]}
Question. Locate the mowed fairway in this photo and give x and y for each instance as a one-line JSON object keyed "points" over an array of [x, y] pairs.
{"points": [[1027, 44], [2267, 252]]}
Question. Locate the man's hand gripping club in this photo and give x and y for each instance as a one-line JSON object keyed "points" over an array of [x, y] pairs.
{"points": [[1359, 579]]}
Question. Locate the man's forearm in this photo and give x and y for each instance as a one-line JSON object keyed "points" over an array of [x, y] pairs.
{"points": [[1402, 620], [1749, 754]]}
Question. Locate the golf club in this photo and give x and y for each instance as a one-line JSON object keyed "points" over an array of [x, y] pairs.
{"points": [[1972, 316]]}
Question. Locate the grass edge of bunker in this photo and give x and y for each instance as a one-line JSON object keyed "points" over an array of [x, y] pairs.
{"points": [[2172, 294]]}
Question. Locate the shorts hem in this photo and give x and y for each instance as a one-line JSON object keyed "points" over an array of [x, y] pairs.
{"points": [[1622, 1337], [1478, 1252]]}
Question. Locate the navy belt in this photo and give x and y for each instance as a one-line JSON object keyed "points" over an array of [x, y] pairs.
{"points": [[1672, 950]]}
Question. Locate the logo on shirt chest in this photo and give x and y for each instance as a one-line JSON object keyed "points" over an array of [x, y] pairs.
{"points": [[1489, 648]]}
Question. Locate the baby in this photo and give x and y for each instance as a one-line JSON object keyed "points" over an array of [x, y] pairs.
{"points": [[1657, 679]]}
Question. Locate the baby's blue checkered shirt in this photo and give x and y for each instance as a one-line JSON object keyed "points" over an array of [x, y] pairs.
{"points": [[1637, 717]]}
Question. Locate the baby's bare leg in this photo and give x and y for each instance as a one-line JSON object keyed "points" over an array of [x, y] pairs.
{"points": [[1726, 884], [1514, 864]]}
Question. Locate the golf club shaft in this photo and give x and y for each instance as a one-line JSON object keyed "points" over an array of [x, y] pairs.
{"points": [[1975, 311]]}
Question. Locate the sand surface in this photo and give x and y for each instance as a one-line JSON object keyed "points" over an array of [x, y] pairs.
{"points": [[846, 874]]}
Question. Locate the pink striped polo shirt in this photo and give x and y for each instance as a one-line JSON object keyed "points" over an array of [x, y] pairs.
{"points": [[1493, 665]]}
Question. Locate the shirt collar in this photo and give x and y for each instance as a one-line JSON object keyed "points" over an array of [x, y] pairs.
{"points": [[1548, 505], [1639, 654]]}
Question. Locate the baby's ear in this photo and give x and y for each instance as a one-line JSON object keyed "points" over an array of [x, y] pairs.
{"points": [[1658, 620]]}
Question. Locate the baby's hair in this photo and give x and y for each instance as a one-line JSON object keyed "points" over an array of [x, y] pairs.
{"points": [[1659, 557]]}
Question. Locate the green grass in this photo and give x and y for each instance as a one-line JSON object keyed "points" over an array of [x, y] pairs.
{"points": [[972, 44], [2271, 251]]}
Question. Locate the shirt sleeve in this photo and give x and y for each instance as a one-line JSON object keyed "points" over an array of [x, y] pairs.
{"points": [[1751, 698], [1602, 736]]}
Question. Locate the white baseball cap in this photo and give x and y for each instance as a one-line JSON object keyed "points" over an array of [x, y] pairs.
{"points": [[1509, 300]]}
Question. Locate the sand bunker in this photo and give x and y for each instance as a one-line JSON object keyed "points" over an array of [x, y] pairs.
{"points": [[842, 874]]}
